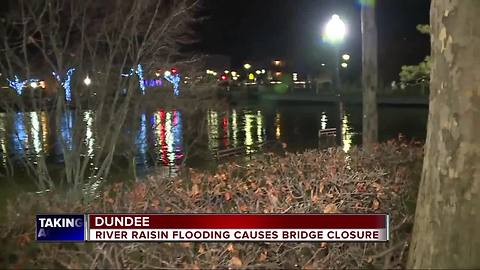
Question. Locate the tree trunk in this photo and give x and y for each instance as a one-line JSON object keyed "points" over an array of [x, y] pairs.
{"points": [[369, 75], [447, 221]]}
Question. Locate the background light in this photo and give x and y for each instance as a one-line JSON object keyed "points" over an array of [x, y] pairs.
{"points": [[344, 65], [87, 81], [234, 73], [226, 71], [258, 72], [247, 66], [34, 84], [251, 76], [263, 71], [346, 57], [167, 73]]}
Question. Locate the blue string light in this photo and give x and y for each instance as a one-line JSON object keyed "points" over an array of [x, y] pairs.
{"points": [[175, 80], [66, 84], [139, 71], [18, 84]]}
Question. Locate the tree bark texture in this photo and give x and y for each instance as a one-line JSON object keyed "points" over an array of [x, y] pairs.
{"points": [[369, 75], [447, 221]]}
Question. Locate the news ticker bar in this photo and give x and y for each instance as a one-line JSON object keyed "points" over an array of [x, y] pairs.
{"points": [[212, 227]]}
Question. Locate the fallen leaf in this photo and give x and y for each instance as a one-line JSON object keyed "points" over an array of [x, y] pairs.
{"points": [[243, 207], [262, 257], [376, 204], [322, 187], [235, 261], [330, 208], [195, 190]]}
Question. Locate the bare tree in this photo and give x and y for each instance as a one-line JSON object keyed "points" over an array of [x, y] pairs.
{"points": [[69, 40]]}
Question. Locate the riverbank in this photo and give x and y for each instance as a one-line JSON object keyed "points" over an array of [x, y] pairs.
{"points": [[357, 100], [383, 180], [306, 95]]}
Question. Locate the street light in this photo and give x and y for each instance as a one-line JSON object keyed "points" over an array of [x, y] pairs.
{"points": [[346, 57], [247, 66], [344, 65], [334, 33], [335, 30], [87, 81]]}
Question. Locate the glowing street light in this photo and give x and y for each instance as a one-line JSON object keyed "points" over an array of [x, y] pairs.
{"points": [[346, 57], [344, 65], [226, 71], [334, 33], [335, 30], [258, 72], [263, 71], [247, 66], [87, 81]]}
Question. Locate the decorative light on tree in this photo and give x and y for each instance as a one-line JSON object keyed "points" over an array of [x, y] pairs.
{"points": [[18, 84], [66, 83], [174, 79], [139, 71]]}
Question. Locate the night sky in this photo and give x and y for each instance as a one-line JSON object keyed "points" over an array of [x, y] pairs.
{"points": [[261, 30]]}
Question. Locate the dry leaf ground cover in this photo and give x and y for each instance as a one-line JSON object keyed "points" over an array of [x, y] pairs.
{"points": [[383, 180]]}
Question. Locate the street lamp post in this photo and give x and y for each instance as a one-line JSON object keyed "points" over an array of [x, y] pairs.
{"points": [[334, 33]]}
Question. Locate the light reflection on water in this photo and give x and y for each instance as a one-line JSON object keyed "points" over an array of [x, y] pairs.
{"points": [[160, 135]]}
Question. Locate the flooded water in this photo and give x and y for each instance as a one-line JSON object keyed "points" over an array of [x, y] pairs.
{"points": [[162, 137]]}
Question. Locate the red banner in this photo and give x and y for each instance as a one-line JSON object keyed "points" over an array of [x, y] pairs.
{"points": [[237, 221]]}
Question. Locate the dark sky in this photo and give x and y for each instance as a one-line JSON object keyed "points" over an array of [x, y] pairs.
{"points": [[291, 29]]}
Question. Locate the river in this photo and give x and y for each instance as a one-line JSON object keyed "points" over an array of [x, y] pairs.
{"points": [[161, 135]]}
